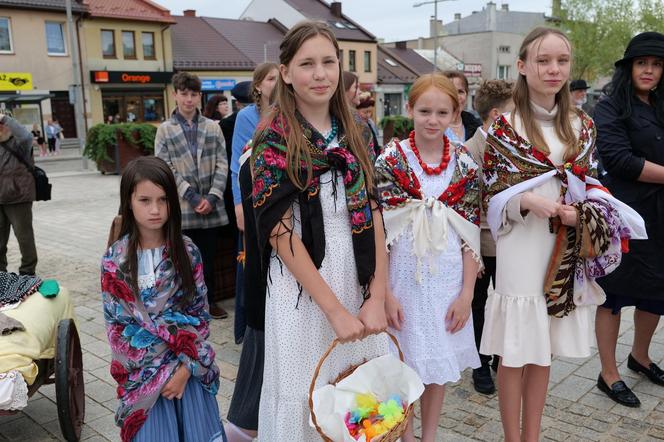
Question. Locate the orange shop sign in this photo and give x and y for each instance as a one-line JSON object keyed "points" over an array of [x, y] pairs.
{"points": [[129, 77]]}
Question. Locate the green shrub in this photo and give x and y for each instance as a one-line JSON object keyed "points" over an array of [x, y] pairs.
{"points": [[401, 124], [102, 136]]}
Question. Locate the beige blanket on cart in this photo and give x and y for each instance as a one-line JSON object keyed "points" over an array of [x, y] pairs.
{"points": [[40, 317]]}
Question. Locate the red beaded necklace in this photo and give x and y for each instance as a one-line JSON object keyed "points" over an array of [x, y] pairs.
{"points": [[443, 161]]}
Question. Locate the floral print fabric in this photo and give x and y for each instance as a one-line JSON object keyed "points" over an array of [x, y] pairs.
{"points": [[153, 333]]}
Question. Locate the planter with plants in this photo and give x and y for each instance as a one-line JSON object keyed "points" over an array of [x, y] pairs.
{"points": [[395, 126], [112, 146]]}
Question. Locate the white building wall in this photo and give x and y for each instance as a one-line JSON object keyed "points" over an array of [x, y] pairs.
{"points": [[263, 10]]}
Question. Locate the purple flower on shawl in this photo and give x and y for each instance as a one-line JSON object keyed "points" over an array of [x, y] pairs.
{"points": [[153, 385]]}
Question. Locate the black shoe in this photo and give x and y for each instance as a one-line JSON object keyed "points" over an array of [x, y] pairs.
{"points": [[482, 380], [217, 312], [619, 392], [654, 373]]}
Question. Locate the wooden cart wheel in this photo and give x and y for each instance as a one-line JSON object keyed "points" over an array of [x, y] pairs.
{"points": [[69, 387]]}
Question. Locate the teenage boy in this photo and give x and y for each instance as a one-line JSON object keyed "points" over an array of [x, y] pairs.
{"points": [[493, 98], [193, 146]]}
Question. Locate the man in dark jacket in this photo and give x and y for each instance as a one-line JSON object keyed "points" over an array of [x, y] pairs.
{"points": [[17, 192]]}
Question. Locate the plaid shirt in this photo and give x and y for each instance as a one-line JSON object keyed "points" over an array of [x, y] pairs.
{"points": [[206, 174], [190, 132]]}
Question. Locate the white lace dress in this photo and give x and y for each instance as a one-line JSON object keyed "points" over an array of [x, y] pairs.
{"points": [[296, 338], [437, 356]]}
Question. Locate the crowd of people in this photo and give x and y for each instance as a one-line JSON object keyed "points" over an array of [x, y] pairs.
{"points": [[476, 243]]}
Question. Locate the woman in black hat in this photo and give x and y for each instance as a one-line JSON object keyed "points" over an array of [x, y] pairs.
{"points": [[630, 141]]}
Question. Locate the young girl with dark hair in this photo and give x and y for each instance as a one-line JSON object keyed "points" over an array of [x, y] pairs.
{"points": [[156, 313], [556, 231], [320, 233]]}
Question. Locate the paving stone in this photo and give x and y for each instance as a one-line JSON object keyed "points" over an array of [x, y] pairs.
{"points": [[572, 388]]}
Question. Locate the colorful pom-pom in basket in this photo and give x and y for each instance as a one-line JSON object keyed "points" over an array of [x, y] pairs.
{"points": [[391, 436]]}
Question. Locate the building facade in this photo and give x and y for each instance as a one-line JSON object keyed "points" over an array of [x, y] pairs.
{"points": [[35, 61], [127, 61]]}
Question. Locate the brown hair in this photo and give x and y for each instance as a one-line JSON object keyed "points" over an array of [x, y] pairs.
{"points": [[562, 123], [492, 94], [212, 105], [185, 80], [261, 71], [435, 80], [298, 149], [366, 101], [155, 170], [457, 74], [349, 79]]}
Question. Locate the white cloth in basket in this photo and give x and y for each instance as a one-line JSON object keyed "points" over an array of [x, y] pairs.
{"points": [[13, 391], [383, 377]]}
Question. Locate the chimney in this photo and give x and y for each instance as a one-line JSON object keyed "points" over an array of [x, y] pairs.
{"points": [[189, 12], [457, 16], [335, 9], [401, 45], [505, 7], [435, 27], [491, 16]]}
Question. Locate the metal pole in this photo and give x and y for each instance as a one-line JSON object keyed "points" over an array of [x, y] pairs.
{"points": [[435, 37], [78, 91]]}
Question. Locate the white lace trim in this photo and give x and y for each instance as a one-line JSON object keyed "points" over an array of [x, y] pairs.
{"points": [[13, 391]]}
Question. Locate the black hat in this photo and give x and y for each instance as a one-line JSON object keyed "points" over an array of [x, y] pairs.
{"points": [[643, 45], [242, 92], [577, 85]]}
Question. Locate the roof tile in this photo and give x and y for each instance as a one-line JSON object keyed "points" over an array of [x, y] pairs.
{"points": [[197, 45], [143, 10]]}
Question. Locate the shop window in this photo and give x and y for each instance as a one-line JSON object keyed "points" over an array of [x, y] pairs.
{"points": [[367, 61], [5, 36], [128, 45], [392, 104], [148, 45], [132, 108], [351, 61], [108, 43], [55, 38]]}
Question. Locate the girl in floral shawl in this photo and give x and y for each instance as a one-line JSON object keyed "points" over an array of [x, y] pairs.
{"points": [[156, 313], [319, 230], [429, 192], [556, 231]]}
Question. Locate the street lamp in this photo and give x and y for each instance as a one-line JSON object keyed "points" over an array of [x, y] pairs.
{"points": [[435, 17]]}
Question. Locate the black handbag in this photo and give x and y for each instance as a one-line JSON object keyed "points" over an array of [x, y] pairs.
{"points": [[42, 186]]}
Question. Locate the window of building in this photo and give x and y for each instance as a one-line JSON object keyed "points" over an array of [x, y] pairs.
{"points": [[503, 72], [55, 38], [504, 49], [351, 61], [108, 43], [367, 61], [5, 36], [130, 107], [128, 44], [391, 62], [148, 45]]}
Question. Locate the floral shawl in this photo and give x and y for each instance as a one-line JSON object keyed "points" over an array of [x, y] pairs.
{"points": [[152, 336], [404, 204], [593, 249], [274, 193]]}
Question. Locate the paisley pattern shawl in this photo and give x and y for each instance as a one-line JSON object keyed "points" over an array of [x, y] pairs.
{"points": [[274, 193], [151, 333], [404, 204], [592, 248], [509, 160]]}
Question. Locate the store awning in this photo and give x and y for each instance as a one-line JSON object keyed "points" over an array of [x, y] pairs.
{"points": [[24, 98]]}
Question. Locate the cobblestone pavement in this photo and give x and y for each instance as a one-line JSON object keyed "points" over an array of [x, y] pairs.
{"points": [[71, 232]]}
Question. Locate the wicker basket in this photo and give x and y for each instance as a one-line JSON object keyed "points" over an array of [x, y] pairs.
{"points": [[391, 436]]}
